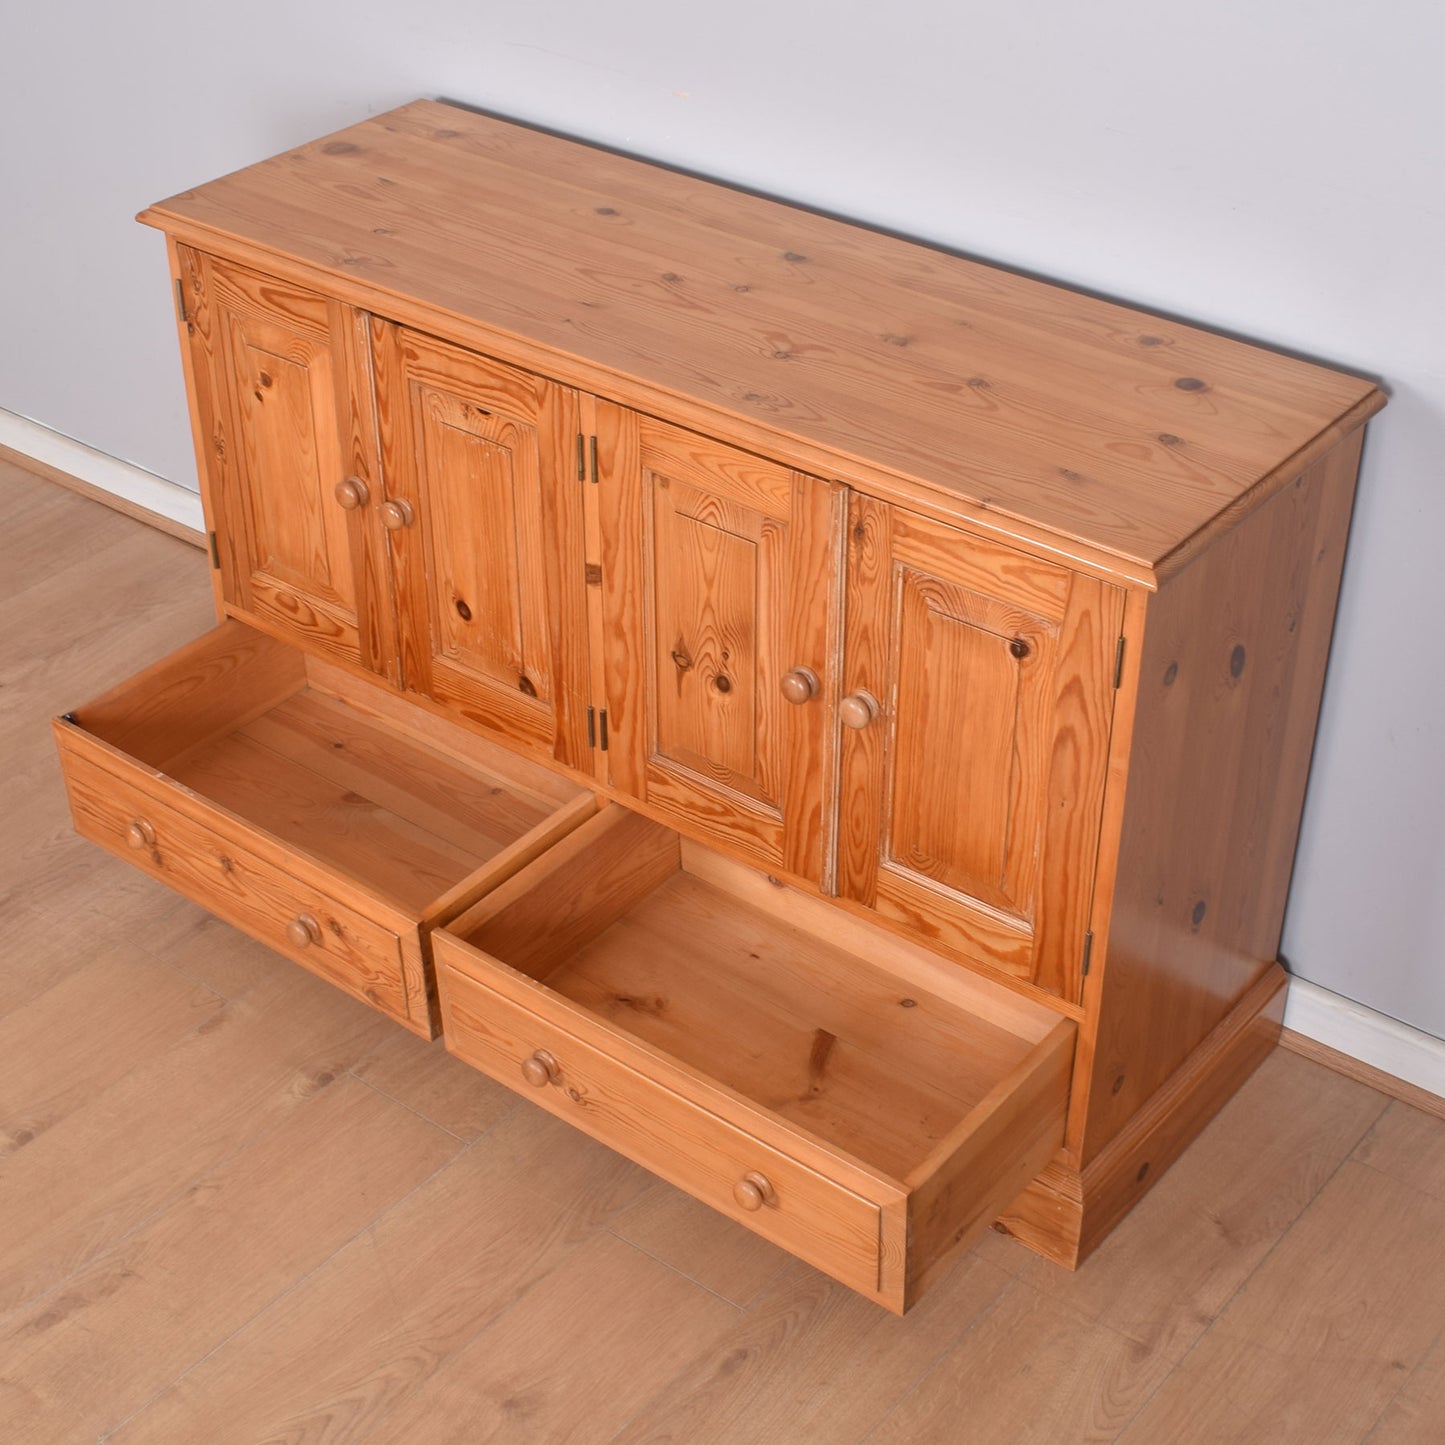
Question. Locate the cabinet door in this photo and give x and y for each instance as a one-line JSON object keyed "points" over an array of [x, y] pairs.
{"points": [[484, 506], [283, 399], [974, 740], [720, 578]]}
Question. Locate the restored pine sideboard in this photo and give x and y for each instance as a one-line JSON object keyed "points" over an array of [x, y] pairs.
{"points": [[827, 717]]}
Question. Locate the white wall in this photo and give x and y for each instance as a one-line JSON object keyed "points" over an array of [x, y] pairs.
{"points": [[1272, 167]]}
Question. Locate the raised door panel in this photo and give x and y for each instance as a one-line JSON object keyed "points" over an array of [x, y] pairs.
{"points": [[283, 396], [720, 579], [488, 557], [972, 791]]}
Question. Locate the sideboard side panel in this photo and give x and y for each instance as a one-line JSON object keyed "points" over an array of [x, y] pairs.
{"points": [[1231, 676]]}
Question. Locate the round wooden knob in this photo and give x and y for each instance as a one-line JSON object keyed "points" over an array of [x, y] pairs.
{"points": [[753, 1191], [352, 493], [303, 930], [800, 685], [541, 1069], [396, 515], [858, 710], [140, 835]]}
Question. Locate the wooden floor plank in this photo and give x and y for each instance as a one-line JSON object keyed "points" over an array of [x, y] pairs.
{"points": [[704, 1245], [1215, 1216], [436, 1085], [1034, 1372], [116, 1333], [86, 1032], [1416, 1416], [1409, 1146], [811, 1361], [362, 1335], [1321, 1338], [135, 1147], [572, 1359]]}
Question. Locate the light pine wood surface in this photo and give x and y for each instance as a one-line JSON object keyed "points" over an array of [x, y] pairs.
{"points": [[239, 1206], [823, 345]]}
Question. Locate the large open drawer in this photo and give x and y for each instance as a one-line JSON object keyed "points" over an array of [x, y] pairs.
{"points": [[319, 813], [858, 1100]]}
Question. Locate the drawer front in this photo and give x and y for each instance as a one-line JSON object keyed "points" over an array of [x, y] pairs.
{"points": [[797, 1208], [133, 820]]}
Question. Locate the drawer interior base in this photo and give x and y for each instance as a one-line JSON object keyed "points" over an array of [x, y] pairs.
{"points": [[308, 754], [682, 949]]}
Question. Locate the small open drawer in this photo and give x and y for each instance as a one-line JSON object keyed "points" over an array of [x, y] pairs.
{"points": [[850, 1096], [322, 815]]}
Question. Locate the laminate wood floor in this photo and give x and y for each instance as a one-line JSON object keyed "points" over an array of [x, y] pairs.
{"points": [[236, 1206]]}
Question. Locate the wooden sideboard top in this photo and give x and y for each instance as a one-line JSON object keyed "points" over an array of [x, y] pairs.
{"points": [[1130, 434]]}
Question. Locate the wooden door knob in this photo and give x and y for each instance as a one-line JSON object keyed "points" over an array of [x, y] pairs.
{"points": [[858, 710], [541, 1069], [396, 515], [303, 931], [800, 685], [753, 1191], [140, 835], [353, 493]]}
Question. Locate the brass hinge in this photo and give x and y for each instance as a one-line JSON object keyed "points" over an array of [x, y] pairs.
{"points": [[215, 550], [597, 728], [1119, 663], [1088, 953], [593, 574], [181, 301]]}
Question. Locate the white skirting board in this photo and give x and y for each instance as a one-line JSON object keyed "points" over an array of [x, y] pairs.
{"points": [[1318, 1014], [121, 479], [1372, 1038]]}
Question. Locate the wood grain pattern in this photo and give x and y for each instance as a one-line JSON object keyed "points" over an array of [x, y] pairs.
{"points": [[157, 1320], [971, 806], [986, 801], [991, 1156], [1017, 1012], [813, 1217], [719, 577], [815, 1054], [272, 801], [347, 948], [283, 398], [462, 1250], [1162, 1278], [196, 693], [1130, 433], [1282, 1364], [1065, 1215], [160, 1134], [489, 576], [1231, 670], [653, 1313]]}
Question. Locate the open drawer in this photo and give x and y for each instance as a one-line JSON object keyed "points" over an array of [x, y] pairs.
{"points": [[322, 815], [856, 1099]]}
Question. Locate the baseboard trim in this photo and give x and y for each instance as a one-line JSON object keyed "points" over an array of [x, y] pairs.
{"points": [[128, 488], [1365, 1045]]}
